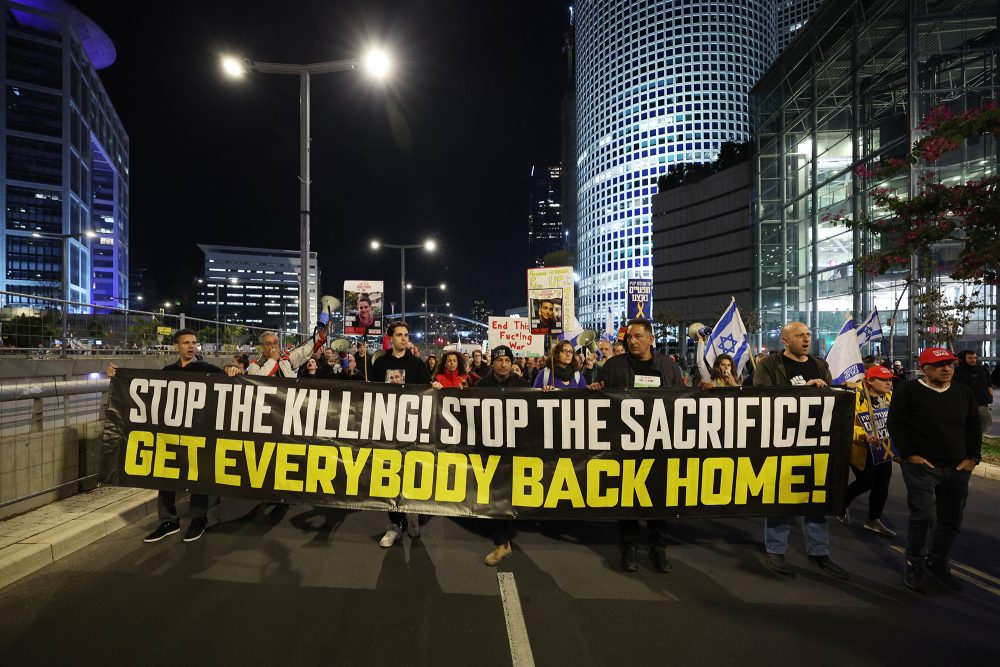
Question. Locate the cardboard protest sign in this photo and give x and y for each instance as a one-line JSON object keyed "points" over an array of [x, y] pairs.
{"points": [[556, 277], [515, 333], [363, 307]]}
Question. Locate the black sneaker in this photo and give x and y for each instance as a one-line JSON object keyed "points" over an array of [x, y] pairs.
{"points": [[778, 564], [659, 557], [914, 577], [941, 572], [826, 563], [163, 530], [195, 530], [628, 559]]}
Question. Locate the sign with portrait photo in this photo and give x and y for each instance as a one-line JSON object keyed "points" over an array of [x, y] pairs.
{"points": [[363, 307], [556, 277], [545, 309]]}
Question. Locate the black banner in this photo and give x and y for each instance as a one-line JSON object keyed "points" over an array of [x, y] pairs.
{"points": [[482, 452]]}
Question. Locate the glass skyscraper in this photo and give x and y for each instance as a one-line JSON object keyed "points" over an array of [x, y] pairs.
{"points": [[658, 82], [64, 167]]}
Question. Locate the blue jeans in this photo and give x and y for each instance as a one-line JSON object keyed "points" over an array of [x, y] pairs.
{"points": [[814, 528], [936, 499]]}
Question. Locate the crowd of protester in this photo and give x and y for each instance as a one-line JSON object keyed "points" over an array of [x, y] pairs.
{"points": [[935, 421]]}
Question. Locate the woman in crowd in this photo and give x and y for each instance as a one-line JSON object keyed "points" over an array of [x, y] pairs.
{"points": [[869, 475], [450, 371], [308, 369], [722, 374], [561, 371]]}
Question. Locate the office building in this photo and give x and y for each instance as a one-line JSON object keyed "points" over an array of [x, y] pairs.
{"points": [[852, 90], [658, 83], [64, 170], [790, 17], [546, 232], [255, 287]]}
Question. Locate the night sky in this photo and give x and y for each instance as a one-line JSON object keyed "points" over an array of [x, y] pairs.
{"points": [[444, 150]]}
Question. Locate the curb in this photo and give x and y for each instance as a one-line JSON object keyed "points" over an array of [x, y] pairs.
{"points": [[987, 470], [33, 553]]}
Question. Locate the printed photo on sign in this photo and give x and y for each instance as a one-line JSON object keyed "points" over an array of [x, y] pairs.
{"points": [[363, 307], [556, 277], [395, 376], [545, 309]]}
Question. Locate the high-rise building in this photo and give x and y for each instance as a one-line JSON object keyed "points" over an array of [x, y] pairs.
{"points": [[791, 17], [546, 232], [658, 83], [256, 287], [64, 171]]}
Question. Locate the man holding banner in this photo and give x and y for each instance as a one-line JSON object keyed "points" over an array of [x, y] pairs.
{"points": [[637, 369], [796, 367]]}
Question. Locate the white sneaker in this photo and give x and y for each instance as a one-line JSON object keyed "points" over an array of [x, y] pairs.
{"points": [[413, 524], [394, 533]]}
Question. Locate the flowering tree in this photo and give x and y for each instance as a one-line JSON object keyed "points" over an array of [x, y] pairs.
{"points": [[968, 213]]}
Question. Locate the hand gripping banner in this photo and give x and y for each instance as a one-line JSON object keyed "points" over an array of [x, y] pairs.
{"points": [[482, 452]]}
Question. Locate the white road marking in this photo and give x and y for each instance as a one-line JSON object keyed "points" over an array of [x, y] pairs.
{"points": [[517, 632]]}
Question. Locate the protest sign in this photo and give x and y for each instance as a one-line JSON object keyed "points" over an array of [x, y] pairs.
{"points": [[640, 296], [515, 333], [363, 307], [497, 453], [545, 310], [555, 277]]}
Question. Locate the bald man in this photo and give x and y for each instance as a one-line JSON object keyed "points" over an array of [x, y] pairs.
{"points": [[797, 368]]}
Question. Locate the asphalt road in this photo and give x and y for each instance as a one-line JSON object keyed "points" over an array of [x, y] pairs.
{"points": [[312, 586]]}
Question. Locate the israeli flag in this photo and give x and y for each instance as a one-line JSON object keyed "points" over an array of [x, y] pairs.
{"points": [[729, 336], [870, 330], [609, 324], [844, 356]]}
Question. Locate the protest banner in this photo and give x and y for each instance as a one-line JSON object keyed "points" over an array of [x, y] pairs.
{"points": [[482, 452], [882, 451], [363, 307], [640, 296], [515, 333]]}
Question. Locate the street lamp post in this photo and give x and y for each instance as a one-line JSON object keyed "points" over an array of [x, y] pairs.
{"points": [[429, 245], [231, 281], [377, 65], [65, 273], [426, 288]]}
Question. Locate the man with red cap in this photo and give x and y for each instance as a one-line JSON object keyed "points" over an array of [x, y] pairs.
{"points": [[871, 475], [934, 424]]}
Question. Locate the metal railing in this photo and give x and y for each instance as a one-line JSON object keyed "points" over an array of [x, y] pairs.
{"points": [[27, 329]]}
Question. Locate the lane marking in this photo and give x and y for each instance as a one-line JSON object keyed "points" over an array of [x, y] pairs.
{"points": [[517, 632], [961, 573]]}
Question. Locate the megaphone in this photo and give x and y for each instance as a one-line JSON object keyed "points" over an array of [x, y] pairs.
{"points": [[340, 345], [699, 330], [586, 338], [328, 304]]}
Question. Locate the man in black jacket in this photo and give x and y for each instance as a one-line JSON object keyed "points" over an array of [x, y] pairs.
{"points": [[400, 366], [186, 344], [934, 425], [977, 378], [501, 375], [639, 368]]}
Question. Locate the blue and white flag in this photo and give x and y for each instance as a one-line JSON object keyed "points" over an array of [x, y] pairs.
{"points": [[870, 330], [844, 356], [729, 336], [609, 324]]}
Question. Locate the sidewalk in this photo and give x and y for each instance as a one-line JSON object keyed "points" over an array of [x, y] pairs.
{"points": [[33, 540]]}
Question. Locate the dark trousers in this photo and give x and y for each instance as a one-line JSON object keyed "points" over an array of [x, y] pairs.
{"points": [[874, 478], [398, 518], [628, 529], [166, 506], [936, 499]]}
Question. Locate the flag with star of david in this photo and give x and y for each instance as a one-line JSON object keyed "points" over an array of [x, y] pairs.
{"points": [[729, 336], [844, 356], [870, 330]]}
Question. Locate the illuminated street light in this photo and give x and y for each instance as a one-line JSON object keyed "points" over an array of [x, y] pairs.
{"points": [[377, 66], [428, 245]]}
